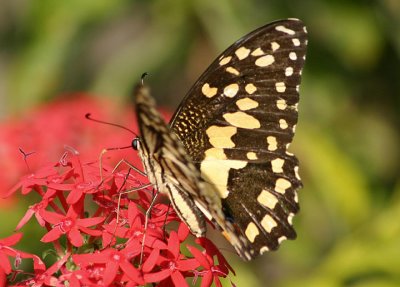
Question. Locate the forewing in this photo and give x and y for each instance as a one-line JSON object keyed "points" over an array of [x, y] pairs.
{"points": [[237, 122]]}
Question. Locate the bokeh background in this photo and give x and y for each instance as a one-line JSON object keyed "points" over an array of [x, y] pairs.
{"points": [[348, 133]]}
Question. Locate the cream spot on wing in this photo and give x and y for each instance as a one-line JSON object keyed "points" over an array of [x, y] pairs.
{"points": [[257, 52], [288, 71], [246, 104], [220, 137], [277, 165], [281, 239], [268, 223], [272, 143], [225, 60], [216, 172], [296, 197], [250, 88], [274, 46], [292, 56], [284, 30], [231, 90], [251, 231], [283, 124], [281, 185], [294, 128], [280, 87], [267, 199], [296, 172], [242, 120], [242, 53], [297, 88], [251, 155], [263, 250], [265, 61], [281, 104], [290, 218], [232, 71], [296, 42], [208, 91], [215, 153]]}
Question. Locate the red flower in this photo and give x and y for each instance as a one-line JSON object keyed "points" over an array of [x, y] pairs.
{"points": [[7, 251], [70, 225], [34, 180], [173, 264], [211, 272], [36, 210], [46, 277], [46, 129], [114, 262]]}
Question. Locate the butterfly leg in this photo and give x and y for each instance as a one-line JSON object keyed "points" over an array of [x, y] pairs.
{"points": [[165, 220], [123, 161], [120, 193], [146, 222]]}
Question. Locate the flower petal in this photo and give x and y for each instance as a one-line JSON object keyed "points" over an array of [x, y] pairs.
{"points": [[183, 232], [207, 279], [173, 244], [5, 264], [52, 235], [151, 261], [52, 217], [25, 218], [178, 279], [200, 257], [157, 276], [132, 272], [75, 237], [86, 222], [11, 240], [110, 272]]}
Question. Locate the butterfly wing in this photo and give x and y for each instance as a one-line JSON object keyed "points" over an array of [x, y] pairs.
{"points": [[171, 170], [236, 124]]}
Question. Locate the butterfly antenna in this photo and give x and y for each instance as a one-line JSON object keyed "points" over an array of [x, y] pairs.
{"points": [[89, 117], [144, 75]]}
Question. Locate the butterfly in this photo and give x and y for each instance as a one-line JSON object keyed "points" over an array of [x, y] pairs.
{"points": [[223, 156]]}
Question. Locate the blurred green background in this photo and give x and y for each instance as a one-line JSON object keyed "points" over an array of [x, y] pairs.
{"points": [[348, 134]]}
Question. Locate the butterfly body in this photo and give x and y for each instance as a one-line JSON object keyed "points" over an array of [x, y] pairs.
{"points": [[224, 154]]}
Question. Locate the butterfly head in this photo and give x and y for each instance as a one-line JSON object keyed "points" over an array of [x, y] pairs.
{"points": [[135, 143]]}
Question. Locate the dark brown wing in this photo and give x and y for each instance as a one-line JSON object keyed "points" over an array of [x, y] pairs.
{"points": [[237, 122]]}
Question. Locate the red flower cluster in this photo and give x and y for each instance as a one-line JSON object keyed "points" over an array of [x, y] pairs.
{"points": [[95, 218], [46, 129]]}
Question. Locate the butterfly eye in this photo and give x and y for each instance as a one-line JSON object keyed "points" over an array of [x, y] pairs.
{"points": [[135, 144]]}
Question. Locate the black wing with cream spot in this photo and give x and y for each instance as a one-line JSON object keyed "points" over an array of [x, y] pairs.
{"points": [[237, 122]]}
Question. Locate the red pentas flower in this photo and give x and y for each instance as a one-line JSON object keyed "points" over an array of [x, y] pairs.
{"points": [[94, 213], [7, 252], [43, 132], [71, 225]]}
